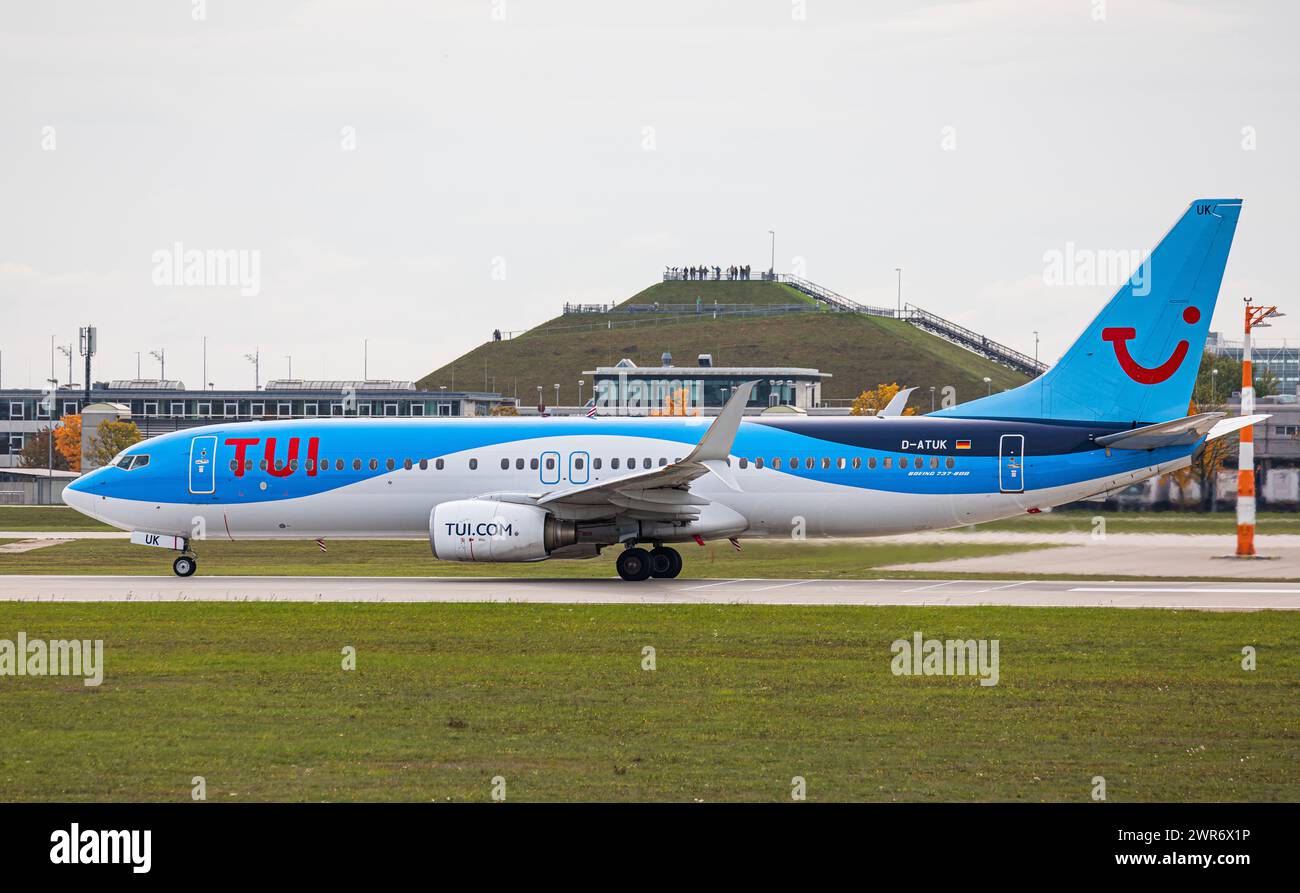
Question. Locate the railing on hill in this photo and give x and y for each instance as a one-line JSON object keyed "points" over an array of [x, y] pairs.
{"points": [[972, 341], [922, 319], [713, 308]]}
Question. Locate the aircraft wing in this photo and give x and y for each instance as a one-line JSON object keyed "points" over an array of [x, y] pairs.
{"points": [[664, 493], [1228, 426], [1179, 432]]}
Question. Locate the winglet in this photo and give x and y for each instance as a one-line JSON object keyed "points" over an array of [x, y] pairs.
{"points": [[896, 405], [716, 442]]}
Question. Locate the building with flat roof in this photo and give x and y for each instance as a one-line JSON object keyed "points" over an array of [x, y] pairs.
{"points": [[158, 406], [629, 389], [1280, 360]]}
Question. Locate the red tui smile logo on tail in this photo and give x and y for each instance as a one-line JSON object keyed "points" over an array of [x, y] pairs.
{"points": [[1119, 338]]}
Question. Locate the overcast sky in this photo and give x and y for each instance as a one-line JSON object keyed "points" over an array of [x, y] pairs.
{"points": [[421, 173]]}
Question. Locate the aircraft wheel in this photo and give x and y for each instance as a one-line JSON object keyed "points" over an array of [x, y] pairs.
{"points": [[185, 566], [665, 563], [634, 564]]}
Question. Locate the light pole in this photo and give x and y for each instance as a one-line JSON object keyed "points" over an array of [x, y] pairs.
{"points": [[137, 365], [256, 359], [1214, 386], [772, 269], [931, 398], [557, 393], [67, 352], [899, 271], [539, 398], [49, 438], [988, 381], [1035, 347], [1255, 319], [290, 359], [161, 356], [581, 382]]}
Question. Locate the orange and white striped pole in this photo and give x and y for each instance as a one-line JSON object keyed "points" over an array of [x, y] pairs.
{"points": [[1255, 317]]}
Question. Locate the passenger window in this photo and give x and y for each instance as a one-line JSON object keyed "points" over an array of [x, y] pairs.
{"points": [[519, 465], [613, 463], [776, 462], [406, 464], [505, 464], [438, 464], [473, 464], [356, 464], [794, 463], [871, 462], [550, 463], [248, 465], [744, 463], [233, 465], [338, 464], [758, 463], [888, 462], [645, 463], [391, 464], [663, 462], [949, 462], [840, 463], [826, 462], [374, 464], [857, 462], [578, 464], [595, 463], [934, 461], [424, 464], [811, 462]]}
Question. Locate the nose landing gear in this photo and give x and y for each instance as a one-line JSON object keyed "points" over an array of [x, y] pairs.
{"points": [[185, 565]]}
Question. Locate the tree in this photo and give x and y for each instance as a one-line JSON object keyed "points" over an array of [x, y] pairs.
{"points": [[1206, 464], [67, 441], [1214, 390], [872, 402], [111, 439], [36, 452], [504, 409]]}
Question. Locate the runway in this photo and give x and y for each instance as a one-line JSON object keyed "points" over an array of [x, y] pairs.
{"points": [[934, 593]]}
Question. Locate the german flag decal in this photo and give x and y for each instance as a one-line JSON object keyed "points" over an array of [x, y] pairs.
{"points": [[963, 444]]}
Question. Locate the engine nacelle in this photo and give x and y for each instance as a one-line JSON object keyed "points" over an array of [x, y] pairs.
{"points": [[488, 530]]}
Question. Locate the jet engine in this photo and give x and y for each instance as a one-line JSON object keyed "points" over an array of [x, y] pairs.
{"points": [[488, 530]]}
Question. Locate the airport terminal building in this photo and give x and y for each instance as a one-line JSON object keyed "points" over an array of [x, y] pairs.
{"points": [[628, 389], [160, 406]]}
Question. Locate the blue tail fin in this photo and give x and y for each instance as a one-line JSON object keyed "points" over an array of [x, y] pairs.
{"points": [[1137, 361]]}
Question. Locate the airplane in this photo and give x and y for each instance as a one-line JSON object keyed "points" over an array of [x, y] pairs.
{"points": [[1110, 413]]}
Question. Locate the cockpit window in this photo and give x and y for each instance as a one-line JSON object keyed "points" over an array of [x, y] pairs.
{"points": [[129, 463]]}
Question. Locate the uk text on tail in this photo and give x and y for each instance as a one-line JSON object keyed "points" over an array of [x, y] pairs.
{"points": [[1137, 361]]}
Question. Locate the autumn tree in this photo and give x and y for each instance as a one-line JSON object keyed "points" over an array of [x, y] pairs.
{"points": [[1204, 469], [872, 402], [111, 439], [67, 441], [36, 452]]}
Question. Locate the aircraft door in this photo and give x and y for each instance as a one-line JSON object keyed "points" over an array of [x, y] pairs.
{"points": [[203, 464], [1011, 463], [579, 467], [550, 467]]}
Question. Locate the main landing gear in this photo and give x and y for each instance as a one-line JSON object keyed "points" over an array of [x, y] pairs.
{"points": [[185, 565], [660, 562]]}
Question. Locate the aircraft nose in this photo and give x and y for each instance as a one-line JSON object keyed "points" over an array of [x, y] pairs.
{"points": [[75, 495]]}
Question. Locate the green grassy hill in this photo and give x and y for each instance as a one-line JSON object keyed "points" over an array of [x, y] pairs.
{"points": [[861, 352]]}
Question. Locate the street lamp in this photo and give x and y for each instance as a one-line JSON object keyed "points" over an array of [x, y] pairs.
{"points": [[1214, 386], [557, 393], [899, 271], [1035, 347], [581, 382], [161, 356], [256, 359], [931, 398], [290, 359], [772, 269], [988, 381]]}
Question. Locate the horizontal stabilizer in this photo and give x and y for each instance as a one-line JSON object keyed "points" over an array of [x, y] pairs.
{"points": [[1236, 423], [1179, 432]]}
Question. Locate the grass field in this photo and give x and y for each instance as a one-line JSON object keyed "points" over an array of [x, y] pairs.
{"points": [[860, 351], [553, 698], [42, 518], [360, 558], [1081, 521]]}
